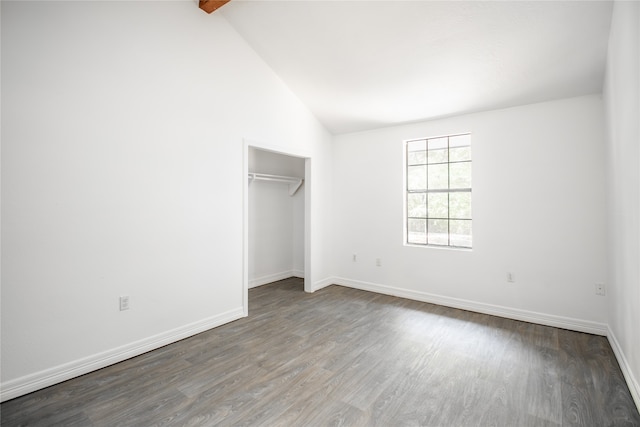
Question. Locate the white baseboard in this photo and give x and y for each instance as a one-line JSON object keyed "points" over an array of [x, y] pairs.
{"points": [[322, 284], [632, 382], [270, 278], [57, 374], [479, 307]]}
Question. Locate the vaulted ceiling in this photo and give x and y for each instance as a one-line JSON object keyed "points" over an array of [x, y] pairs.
{"points": [[360, 65]]}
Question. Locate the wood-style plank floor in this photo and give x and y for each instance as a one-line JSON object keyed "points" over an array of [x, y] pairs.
{"points": [[346, 357]]}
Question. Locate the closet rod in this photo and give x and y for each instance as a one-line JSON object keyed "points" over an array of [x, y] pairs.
{"points": [[294, 182]]}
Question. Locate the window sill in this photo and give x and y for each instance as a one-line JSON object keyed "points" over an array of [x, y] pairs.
{"points": [[439, 247]]}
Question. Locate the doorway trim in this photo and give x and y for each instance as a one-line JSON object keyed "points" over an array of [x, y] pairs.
{"points": [[247, 144]]}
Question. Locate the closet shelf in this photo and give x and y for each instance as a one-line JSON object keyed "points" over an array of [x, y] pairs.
{"points": [[294, 182]]}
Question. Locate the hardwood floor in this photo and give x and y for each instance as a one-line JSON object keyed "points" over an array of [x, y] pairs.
{"points": [[346, 357]]}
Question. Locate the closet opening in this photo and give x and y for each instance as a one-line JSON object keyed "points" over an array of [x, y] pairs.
{"points": [[276, 210]]}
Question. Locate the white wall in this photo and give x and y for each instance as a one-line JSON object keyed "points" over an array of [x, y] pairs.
{"points": [[276, 220], [538, 197], [122, 173], [622, 101]]}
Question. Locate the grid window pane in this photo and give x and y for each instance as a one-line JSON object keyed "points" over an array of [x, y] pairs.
{"points": [[418, 145], [417, 158], [417, 178], [438, 177], [460, 205], [438, 199], [459, 154], [438, 205], [438, 232], [460, 141], [460, 175], [417, 205], [417, 152], [438, 150], [460, 233], [417, 231]]}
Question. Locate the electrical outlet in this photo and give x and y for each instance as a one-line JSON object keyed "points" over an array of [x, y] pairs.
{"points": [[355, 257], [378, 262], [124, 302], [511, 278], [600, 289]]}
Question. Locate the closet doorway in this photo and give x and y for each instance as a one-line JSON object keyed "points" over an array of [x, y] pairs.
{"points": [[276, 208]]}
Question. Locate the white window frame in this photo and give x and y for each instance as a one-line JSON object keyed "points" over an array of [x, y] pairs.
{"points": [[448, 191]]}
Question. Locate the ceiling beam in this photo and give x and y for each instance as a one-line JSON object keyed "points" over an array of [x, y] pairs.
{"points": [[211, 5]]}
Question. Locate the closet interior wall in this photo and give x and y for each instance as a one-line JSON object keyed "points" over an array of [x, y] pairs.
{"points": [[276, 219]]}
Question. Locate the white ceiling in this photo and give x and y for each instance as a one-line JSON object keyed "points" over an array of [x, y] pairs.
{"points": [[361, 65]]}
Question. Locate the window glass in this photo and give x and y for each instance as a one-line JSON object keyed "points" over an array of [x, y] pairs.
{"points": [[438, 191]]}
